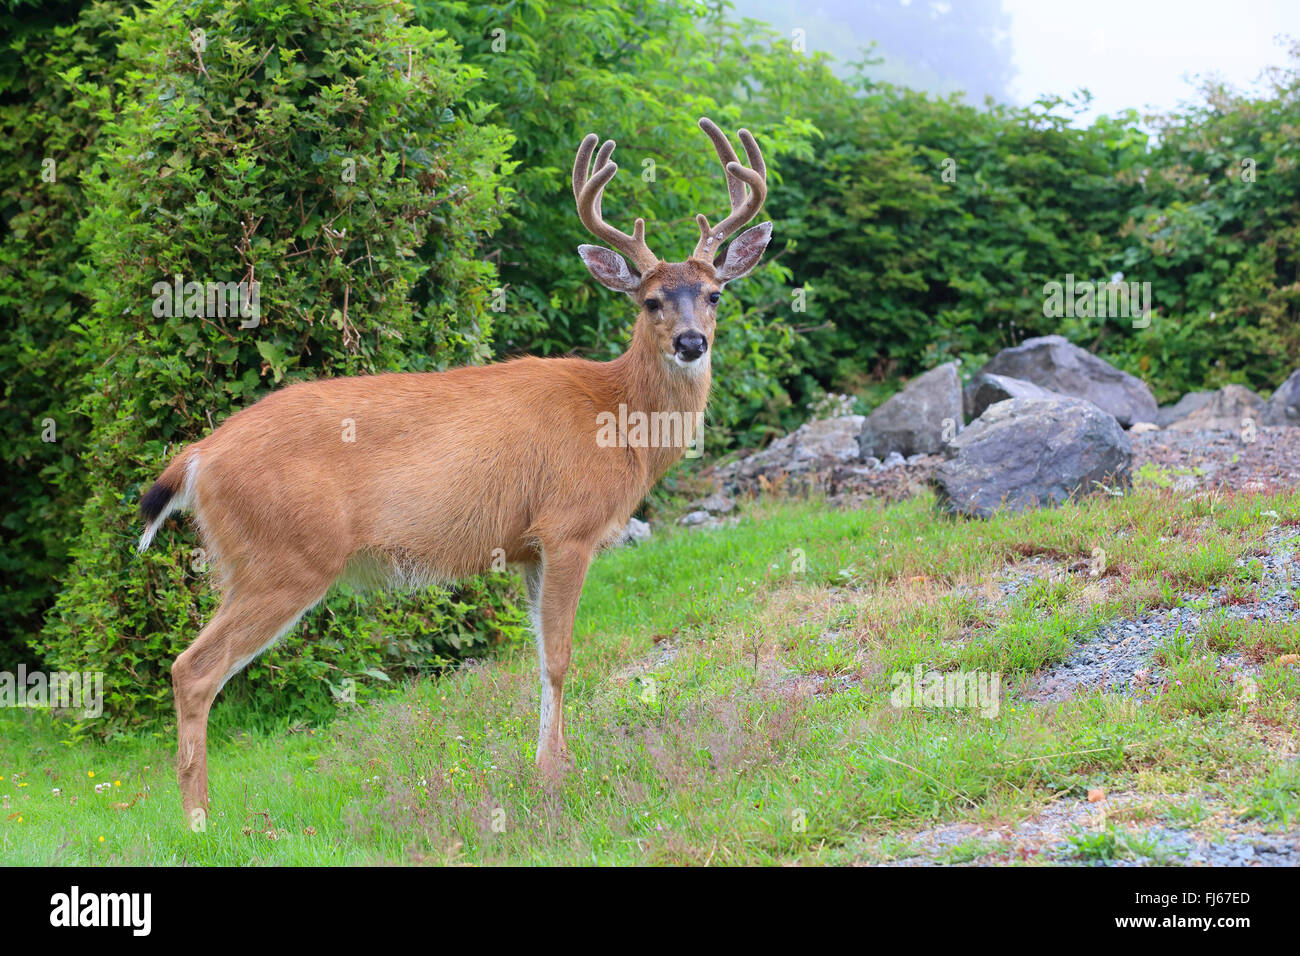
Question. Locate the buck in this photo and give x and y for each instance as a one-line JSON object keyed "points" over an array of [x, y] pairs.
{"points": [[445, 470]]}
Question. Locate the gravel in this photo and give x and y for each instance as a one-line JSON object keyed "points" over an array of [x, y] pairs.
{"points": [[1052, 836], [1221, 459], [1118, 658]]}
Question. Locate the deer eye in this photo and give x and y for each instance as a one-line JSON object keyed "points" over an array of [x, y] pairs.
{"points": [[652, 304], [714, 297]]}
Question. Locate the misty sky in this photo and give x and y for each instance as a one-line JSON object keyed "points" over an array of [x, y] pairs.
{"points": [[1137, 52], [1128, 53]]}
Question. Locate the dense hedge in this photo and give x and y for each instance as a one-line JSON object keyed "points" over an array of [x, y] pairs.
{"points": [[909, 267], [926, 228], [315, 149], [50, 132], [1216, 230]]}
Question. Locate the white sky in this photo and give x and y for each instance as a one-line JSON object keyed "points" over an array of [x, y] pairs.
{"points": [[1141, 53]]}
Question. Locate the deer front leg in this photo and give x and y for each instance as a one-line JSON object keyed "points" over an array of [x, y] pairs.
{"points": [[555, 588]]}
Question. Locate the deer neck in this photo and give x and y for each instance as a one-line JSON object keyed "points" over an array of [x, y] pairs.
{"points": [[650, 382]]}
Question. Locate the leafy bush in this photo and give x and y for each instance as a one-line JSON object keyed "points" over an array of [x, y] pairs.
{"points": [[1216, 231], [50, 130], [926, 228], [908, 268], [316, 150]]}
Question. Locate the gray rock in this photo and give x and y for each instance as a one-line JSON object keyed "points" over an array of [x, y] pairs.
{"points": [[635, 532], [1054, 363], [695, 518], [716, 503], [916, 420], [821, 440], [1224, 410], [828, 438], [987, 388], [1168, 414], [1032, 452], [1284, 407], [892, 460]]}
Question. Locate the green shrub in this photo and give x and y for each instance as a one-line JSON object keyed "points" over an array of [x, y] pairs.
{"points": [[316, 149], [907, 268], [50, 130], [1216, 231], [926, 228]]}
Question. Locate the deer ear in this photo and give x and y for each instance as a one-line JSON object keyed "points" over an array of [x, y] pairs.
{"points": [[609, 269], [744, 251]]}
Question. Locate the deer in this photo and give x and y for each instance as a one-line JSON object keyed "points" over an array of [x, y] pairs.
{"points": [[412, 479]]}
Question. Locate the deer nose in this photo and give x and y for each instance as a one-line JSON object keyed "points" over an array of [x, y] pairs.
{"points": [[690, 345]]}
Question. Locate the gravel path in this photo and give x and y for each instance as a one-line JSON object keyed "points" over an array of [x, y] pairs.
{"points": [[1119, 657], [1134, 828]]}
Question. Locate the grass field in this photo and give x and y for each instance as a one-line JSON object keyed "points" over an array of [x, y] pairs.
{"points": [[729, 703]]}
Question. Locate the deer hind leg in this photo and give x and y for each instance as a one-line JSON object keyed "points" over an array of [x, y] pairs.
{"points": [[554, 587], [248, 621]]}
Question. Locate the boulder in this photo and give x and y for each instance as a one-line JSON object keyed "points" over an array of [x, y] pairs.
{"points": [[1052, 362], [918, 420], [715, 504], [635, 532], [825, 440], [1168, 414], [699, 518], [987, 389], [1224, 410], [1284, 407], [1032, 452]]}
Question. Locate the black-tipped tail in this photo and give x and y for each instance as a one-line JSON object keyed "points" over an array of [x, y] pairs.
{"points": [[156, 499]]}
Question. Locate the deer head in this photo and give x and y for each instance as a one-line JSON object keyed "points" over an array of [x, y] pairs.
{"points": [[677, 300]]}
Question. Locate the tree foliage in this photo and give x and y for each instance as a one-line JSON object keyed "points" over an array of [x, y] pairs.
{"points": [[329, 153], [51, 132]]}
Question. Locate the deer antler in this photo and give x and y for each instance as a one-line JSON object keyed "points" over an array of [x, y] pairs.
{"points": [[587, 190], [743, 207]]}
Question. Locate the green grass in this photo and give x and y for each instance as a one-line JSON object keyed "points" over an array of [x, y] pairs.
{"points": [[1111, 843], [729, 702]]}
